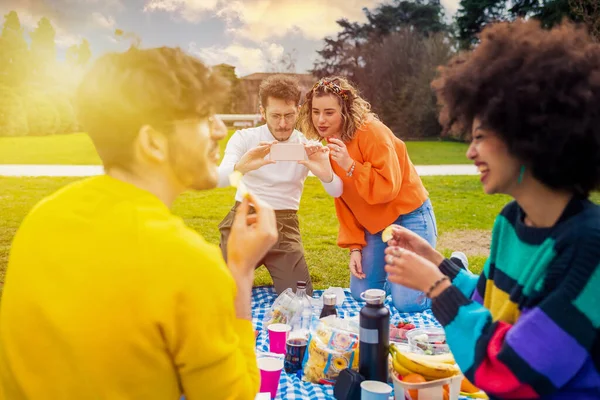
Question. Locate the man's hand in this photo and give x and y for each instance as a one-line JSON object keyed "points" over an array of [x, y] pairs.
{"points": [[407, 239], [318, 162], [255, 158]]}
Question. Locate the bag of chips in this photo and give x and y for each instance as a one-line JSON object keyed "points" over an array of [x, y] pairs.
{"points": [[332, 347]]}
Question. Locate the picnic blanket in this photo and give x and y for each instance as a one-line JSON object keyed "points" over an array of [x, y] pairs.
{"points": [[290, 386]]}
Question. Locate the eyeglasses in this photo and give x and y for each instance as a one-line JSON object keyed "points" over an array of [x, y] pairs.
{"points": [[277, 117]]}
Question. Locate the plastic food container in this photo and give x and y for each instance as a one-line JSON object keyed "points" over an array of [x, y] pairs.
{"points": [[427, 341], [432, 390]]}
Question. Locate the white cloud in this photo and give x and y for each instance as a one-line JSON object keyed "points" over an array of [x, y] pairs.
{"points": [[103, 21], [313, 19], [260, 20], [245, 59], [190, 10], [64, 41], [265, 20], [451, 7]]}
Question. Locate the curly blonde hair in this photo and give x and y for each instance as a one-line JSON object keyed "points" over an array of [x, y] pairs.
{"points": [[354, 109]]}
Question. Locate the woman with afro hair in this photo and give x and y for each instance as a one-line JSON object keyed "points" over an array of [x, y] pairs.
{"points": [[528, 326]]}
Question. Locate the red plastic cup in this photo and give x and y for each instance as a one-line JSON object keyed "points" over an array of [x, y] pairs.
{"points": [[278, 334], [270, 372]]}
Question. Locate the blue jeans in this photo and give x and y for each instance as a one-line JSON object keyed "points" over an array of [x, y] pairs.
{"points": [[422, 222]]}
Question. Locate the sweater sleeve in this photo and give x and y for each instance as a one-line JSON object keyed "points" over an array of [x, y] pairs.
{"points": [[548, 345], [212, 349], [470, 285], [379, 177], [335, 188], [351, 234]]}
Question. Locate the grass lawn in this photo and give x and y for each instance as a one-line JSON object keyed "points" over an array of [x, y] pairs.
{"points": [[77, 149], [458, 201], [460, 206]]}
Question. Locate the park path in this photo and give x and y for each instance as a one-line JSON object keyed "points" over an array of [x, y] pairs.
{"points": [[91, 170]]}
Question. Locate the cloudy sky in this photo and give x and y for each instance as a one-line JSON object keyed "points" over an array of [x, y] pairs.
{"points": [[243, 33]]}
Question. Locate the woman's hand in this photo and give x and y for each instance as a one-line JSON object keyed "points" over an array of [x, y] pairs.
{"points": [[408, 240], [356, 264], [339, 153], [409, 269], [318, 162]]}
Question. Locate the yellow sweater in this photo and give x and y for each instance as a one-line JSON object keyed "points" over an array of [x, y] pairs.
{"points": [[110, 296]]}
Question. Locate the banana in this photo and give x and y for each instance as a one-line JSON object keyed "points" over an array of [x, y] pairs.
{"points": [[446, 358], [429, 369], [399, 368], [476, 395]]}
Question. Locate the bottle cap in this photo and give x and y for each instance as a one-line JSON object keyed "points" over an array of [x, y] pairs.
{"points": [[373, 296], [329, 299]]}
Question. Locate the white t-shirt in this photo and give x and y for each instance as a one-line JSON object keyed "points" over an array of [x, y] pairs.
{"points": [[280, 185]]}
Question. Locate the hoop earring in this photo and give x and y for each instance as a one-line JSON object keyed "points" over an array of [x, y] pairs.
{"points": [[521, 174]]}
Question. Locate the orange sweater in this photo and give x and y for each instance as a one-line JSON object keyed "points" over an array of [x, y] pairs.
{"points": [[383, 186]]}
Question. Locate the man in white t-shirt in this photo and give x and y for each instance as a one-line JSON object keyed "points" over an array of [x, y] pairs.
{"points": [[280, 183]]}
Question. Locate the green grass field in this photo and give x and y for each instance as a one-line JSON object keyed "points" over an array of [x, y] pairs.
{"points": [[460, 206], [458, 202], [77, 149]]}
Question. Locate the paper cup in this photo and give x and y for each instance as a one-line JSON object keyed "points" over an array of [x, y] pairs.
{"points": [[374, 390], [278, 334], [270, 372]]}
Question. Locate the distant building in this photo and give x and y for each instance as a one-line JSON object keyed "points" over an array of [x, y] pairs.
{"points": [[250, 84]]}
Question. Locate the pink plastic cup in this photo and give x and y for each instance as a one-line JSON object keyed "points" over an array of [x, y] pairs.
{"points": [[270, 372], [278, 334]]}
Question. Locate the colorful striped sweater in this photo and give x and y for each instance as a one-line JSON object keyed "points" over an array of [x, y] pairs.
{"points": [[528, 327]]}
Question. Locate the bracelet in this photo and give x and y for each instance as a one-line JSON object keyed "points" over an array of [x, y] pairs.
{"points": [[353, 250], [351, 170], [435, 285]]}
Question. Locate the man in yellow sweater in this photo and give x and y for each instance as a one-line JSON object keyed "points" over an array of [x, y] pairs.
{"points": [[110, 296]]}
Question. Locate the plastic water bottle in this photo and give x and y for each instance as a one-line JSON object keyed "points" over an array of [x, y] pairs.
{"points": [[374, 343], [301, 324]]}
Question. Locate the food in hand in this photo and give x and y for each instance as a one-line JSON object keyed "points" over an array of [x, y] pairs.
{"points": [[386, 235], [235, 180], [430, 368]]}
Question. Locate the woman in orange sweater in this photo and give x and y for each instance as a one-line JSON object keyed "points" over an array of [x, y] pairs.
{"points": [[381, 185]]}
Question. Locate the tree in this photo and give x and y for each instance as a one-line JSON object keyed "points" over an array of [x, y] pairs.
{"points": [[72, 55], [406, 61], [343, 55], [237, 95], [43, 117], [588, 11], [14, 54], [79, 55], [84, 53], [43, 47], [473, 15], [426, 18], [13, 120]]}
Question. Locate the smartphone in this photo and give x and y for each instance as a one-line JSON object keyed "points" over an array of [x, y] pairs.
{"points": [[287, 152]]}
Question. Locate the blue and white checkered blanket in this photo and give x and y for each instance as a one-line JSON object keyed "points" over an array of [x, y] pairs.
{"points": [[290, 386]]}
